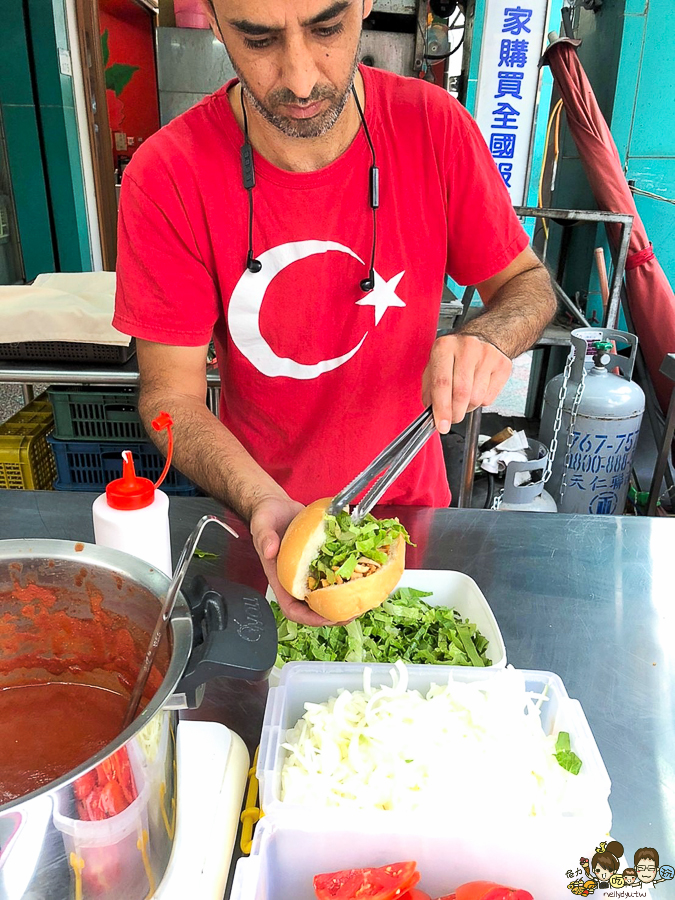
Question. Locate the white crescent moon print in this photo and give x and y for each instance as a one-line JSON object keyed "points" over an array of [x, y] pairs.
{"points": [[248, 296]]}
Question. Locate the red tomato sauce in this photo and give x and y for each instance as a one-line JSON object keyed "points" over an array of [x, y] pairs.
{"points": [[40, 629], [48, 729]]}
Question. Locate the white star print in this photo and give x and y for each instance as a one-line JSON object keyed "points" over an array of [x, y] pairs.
{"points": [[383, 295]]}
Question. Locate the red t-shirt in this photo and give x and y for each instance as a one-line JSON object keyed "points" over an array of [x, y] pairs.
{"points": [[317, 376]]}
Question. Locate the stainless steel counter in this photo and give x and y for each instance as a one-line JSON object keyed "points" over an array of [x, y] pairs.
{"points": [[590, 598]]}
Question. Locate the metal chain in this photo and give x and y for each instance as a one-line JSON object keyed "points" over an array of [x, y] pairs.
{"points": [[570, 434], [553, 449]]}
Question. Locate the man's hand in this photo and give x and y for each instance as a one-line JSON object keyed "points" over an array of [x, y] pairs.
{"points": [[269, 520], [463, 373], [468, 369]]}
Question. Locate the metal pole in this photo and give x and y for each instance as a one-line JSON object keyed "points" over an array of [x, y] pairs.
{"points": [[617, 279], [570, 305], [669, 432], [28, 393], [469, 461], [213, 399], [662, 461]]}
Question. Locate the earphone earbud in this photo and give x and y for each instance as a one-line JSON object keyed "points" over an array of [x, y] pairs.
{"points": [[252, 264], [248, 178]]}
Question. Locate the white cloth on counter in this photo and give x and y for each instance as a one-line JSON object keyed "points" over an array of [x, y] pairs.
{"points": [[64, 306]]}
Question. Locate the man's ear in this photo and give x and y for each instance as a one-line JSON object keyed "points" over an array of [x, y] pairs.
{"points": [[210, 15]]}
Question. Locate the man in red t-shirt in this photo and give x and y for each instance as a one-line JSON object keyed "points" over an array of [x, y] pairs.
{"points": [[319, 371]]}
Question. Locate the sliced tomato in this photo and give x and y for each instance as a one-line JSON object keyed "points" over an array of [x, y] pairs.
{"points": [[112, 800], [414, 894], [125, 776], [85, 784], [383, 883], [488, 890]]}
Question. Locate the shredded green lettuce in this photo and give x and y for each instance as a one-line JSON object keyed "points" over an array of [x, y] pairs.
{"points": [[345, 543], [204, 554], [566, 757], [404, 627]]}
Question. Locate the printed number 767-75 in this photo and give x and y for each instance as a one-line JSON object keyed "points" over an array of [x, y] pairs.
{"points": [[629, 440], [586, 442]]}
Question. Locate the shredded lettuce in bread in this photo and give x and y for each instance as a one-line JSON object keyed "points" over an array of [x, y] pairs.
{"points": [[352, 551]]}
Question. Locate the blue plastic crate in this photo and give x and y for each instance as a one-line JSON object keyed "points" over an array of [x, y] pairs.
{"points": [[89, 466]]}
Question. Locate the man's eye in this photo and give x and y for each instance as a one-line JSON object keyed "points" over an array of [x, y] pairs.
{"points": [[259, 44], [329, 30]]}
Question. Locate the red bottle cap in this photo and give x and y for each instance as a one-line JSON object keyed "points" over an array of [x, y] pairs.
{"points": [[130, 491]]}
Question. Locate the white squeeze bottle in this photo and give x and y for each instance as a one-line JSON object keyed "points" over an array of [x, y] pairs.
{"points": [[133, 515]]}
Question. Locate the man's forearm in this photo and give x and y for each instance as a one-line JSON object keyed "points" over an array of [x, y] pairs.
{"points": [[517, 314], [207, 452]]}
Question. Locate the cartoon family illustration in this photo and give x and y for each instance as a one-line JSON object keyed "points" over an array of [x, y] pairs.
{"points": [[602, 872]]}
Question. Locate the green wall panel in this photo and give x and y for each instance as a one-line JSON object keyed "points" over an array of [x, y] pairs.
{"points": [[658, 176], [15, 86], [636, 7], [600, 52], [23, 145], [626, 79], [629, 56], [42, 137], [82, 242], [59, 127], [654, 135]]}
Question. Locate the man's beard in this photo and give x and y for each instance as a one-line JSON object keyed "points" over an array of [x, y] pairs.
{"points": [[315, 127]]}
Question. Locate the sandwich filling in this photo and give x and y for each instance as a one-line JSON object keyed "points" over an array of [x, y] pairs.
{"points": [[352, 551]]}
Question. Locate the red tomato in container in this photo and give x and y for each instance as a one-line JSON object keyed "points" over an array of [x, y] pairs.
{"points": [[107, 790], [487, 890], [383, 883]]}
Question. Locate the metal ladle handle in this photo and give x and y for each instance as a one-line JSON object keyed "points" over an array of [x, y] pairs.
{"points": [[165, 613]]}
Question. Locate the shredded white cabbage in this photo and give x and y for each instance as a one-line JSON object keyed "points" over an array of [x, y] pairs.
{"points": [[477, 746]]}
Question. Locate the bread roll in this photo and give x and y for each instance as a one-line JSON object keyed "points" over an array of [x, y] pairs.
{"points": [[337, 602]]}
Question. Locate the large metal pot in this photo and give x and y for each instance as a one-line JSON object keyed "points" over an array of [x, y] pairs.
{"points": [[46, 852]]}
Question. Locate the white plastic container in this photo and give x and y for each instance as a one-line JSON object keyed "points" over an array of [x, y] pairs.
{"points": [[288, 851], [155, 760], [453, 845], [213, 764], [316, 682], [108, 850], [451, 589], [133, 516]]}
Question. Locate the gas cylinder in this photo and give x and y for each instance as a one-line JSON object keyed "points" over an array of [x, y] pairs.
{"points": [[592, 412], [530, 497]]}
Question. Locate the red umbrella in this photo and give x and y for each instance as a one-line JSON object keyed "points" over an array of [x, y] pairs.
{"points": [[650, 297]]}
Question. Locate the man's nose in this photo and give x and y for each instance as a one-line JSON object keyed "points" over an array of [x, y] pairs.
{"points": [[299, 73]]}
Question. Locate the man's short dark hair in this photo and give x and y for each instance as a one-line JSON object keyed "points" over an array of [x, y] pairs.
{"points": [[646, 853]]}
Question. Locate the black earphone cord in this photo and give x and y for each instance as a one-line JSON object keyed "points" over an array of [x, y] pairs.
{"points": [[248, 176]]}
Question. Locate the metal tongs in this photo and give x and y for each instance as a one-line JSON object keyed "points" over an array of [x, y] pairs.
{"points": [[394, 458]]}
